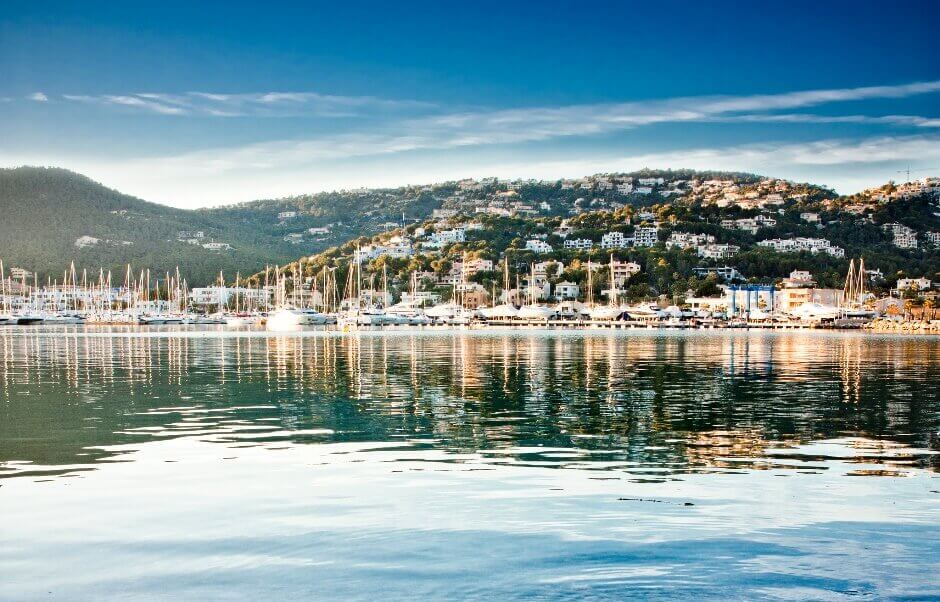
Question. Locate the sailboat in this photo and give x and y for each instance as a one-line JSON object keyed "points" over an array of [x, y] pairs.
{"points": [[503, 311], [409, 312], [612, 310], [290, 315]]}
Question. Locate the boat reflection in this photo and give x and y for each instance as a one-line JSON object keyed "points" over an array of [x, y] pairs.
{"points": [[654, 405]]}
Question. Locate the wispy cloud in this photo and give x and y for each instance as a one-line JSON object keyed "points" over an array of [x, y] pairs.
{"points": [[38, 97], [261, 104], [358, 155], [512, 125]]}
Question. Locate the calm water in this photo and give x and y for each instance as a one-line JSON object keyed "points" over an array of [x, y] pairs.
{"points": [[212, 464]]}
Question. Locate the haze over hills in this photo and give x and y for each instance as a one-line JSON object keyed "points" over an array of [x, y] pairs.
{"points": [[53, 216]]}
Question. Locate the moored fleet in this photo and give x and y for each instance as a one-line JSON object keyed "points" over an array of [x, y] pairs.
{"points": [[283, 300]]}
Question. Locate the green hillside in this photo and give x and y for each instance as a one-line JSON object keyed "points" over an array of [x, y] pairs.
{"points": [[53, 216], [856, 224]]}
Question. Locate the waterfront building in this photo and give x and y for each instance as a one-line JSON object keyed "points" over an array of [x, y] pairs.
{"points": [[788, 299], [221, 295], [567, 291], [908, 284]]}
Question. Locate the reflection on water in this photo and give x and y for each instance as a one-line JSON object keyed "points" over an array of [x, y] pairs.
{"points": [[404, 465], [648, 404]]}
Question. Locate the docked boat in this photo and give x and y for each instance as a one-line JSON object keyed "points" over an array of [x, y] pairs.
{"points": [[287, 318]]}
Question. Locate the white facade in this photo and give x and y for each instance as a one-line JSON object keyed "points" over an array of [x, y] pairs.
{"points": [[713, 251], [686, 240], [217, 246], [614, 240], [538, 246], [579, 243], [446, 237], [567, 290], [904, 237], [221, 295], [623, 270], [918, 284], [645, 236], [795, 245]]}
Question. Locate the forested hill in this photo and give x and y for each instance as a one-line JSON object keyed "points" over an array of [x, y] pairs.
{"points": [[52, 216]]}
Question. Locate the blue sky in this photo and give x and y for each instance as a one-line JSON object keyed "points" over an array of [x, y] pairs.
{"points": [[219, 103]]}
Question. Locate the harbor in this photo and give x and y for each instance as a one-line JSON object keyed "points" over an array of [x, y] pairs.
{"points": [[280, 299]]}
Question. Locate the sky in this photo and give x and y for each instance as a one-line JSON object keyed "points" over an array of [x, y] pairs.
{"points": [[200, 104]]}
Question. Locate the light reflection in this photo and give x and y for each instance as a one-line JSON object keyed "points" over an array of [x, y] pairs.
{"points": [[650, 402]]}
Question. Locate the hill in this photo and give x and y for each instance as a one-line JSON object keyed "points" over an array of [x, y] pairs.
{"points": [[54, 216], [678, 224]]}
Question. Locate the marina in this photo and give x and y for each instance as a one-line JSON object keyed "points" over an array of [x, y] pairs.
{"points": [[281, 300]]}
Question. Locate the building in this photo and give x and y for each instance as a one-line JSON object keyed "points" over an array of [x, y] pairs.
{"points": [[443, 238], [614, 240], [20, 274], [724, 273], [217, 246], [579, 244], [567, 291], [788, 299], [715, 251], [933, 238], [645, 236], [472, 266], [686, 240], [799, 244], [916, 284], [812, 218], [904, 237], [538, 246], [749, 224], [623, 270], [799, 279], [222, 295], [287, 215]]}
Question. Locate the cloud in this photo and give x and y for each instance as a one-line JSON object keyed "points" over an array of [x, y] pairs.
{"points": [[225, 176], [38, 97], [508, 125], [262, 104], [385, 153]]}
